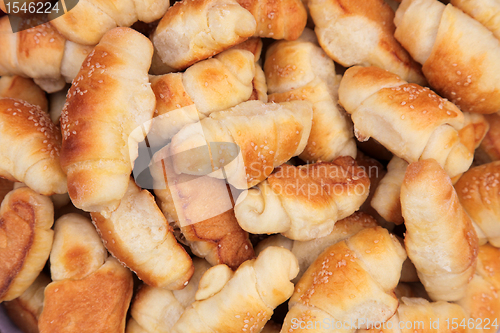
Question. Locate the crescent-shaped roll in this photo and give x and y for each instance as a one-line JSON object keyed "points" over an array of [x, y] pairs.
{"points": [[350, 283], [100, 16], [90, 291], [362, 33], [256, 137], [242, 301], [440, 239], [285, 19], [477, 190], [29, 147], [307, 251], [487, 12], [19, 87], [489, 149], [202, 208], [411, 121], [41, 53], [386, 199], [138, 235], [459, 55], [300, 70], [156, 310], [106, 113], [25, 310], [304, 203], [26, 218], [195, 30], [210, 85]]}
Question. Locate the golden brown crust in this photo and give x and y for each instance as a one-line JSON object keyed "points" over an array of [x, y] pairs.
{"points": [[18, 87], [25, 239], [489, 149], [96, 303], [489, 264], [170, 93]]}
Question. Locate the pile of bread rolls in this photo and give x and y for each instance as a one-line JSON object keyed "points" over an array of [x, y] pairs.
{"points": [[224, 166]]}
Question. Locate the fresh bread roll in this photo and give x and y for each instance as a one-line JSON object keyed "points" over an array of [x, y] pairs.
{"points": [[489, 149], [304, 203], [5, 187], [195, 30], [350, 283], [24, 89], [90, 291], [156, 310], [29, 147], [440, 239], [411, 121], [284, 19], [488, 265], [307, 251], [354, 33], [202, 208], [25, 310], [138, 235], [459, 55], [300, 70], [106, 114], [25, 240], [477, 190], [98, 17], [257, 138], [210, 85], [242, 301], [386, 199], [41, 53], [487, 12]]}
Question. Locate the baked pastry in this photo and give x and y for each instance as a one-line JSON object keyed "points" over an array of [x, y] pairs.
{"points": [[372, 261], [86, 282], [24, 89], [156, 310], [304, 202], [284, 19], [256, 137], [243, 300], [41, 53], [307, 251], [106, 114], [25, 310], [202, 208], [98, 17], [459, 55], [478, 194], [300, 70], [29, 147], [362, 33], [489, 150], [440, 239], [484, 11], [210, 85], [195, 30], [25, 240], [138, 235], [411, 121]]}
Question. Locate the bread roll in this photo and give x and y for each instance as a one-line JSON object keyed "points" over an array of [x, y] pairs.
{"points": [[25, 240], [350, 282], [257, 137], [411, 121], [459, 55], [24, 89], [195, 30], [300, 70], [487, 12], [489, 149], [202, 208], [247, 300], [98, 17], [362, 33], [284, 19], [105, 115], [304, 203], [440, 239], [86, 282], [41, 53]]}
